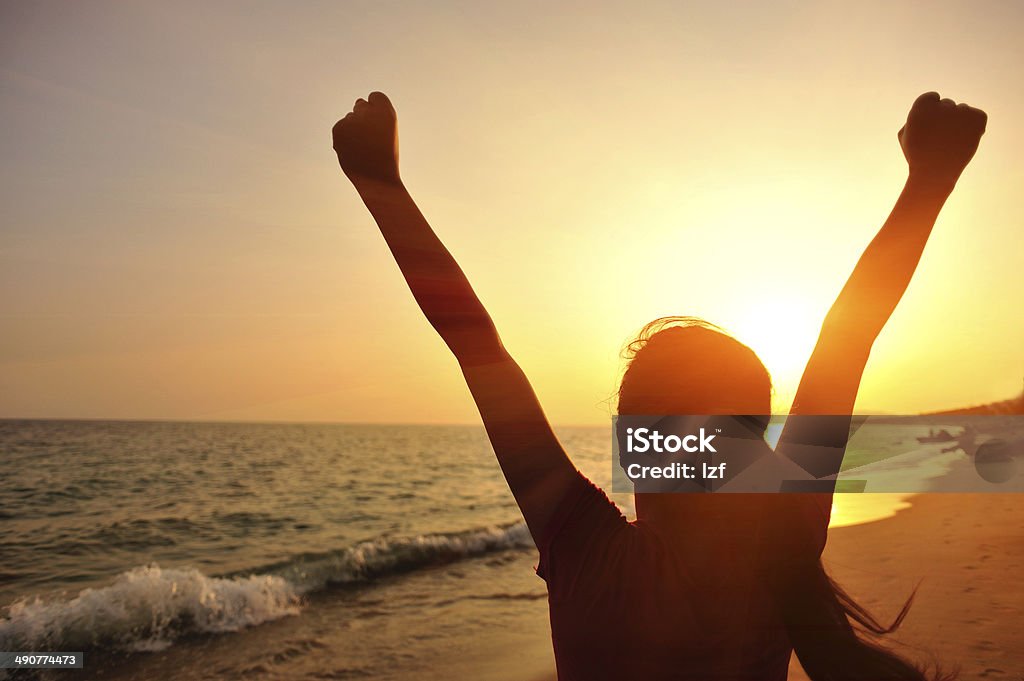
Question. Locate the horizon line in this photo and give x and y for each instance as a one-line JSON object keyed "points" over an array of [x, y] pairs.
{"points": [[315, 422]]}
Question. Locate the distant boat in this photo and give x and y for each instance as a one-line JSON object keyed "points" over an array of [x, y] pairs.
{"points": [[932, 436]]}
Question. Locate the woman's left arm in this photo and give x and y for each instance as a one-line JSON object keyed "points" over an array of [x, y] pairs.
{"points": [[938, 140]]}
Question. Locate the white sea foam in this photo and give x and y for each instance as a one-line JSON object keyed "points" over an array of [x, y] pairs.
{"points": [[146, 608]]}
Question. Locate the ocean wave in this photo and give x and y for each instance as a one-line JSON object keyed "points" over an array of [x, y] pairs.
{"points": [[389, 555], [148, 607]]}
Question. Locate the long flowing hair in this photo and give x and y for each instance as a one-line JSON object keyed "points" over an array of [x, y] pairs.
{"points": [[685, 365]]}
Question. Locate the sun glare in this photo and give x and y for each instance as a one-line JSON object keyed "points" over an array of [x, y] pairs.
{"points": [[782, 332]]}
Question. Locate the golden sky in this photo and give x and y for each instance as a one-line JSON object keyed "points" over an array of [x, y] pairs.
{"points": [[176, 240]]}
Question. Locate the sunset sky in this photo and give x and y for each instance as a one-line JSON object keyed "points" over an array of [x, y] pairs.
{"points": [[177, 241]]}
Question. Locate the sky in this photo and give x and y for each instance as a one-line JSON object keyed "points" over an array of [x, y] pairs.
{"points": [[177, 241]]}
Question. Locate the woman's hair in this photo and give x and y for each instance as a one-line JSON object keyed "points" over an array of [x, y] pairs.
{"points": [[686, 366]]}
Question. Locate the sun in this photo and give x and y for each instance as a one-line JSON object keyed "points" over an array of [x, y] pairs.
{"points": [[782, 332]]}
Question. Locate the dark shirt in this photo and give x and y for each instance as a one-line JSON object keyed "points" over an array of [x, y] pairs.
{"points": [[629, 603]]}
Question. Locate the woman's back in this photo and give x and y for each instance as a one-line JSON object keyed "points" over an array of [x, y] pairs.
{"points": [[640, 601]]}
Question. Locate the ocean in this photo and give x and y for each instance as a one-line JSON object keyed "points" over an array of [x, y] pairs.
{"points": [[126, 539], [276, 551]]}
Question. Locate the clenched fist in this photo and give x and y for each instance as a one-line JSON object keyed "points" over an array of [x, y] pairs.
{"points": [[940, 137], [366, 140]]}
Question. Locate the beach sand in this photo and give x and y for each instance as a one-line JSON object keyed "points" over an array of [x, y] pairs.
{"points": [[966, 553]]}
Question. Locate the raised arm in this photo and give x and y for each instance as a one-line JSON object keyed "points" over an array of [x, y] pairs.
{"points": [[533, 462], [938, 140]]}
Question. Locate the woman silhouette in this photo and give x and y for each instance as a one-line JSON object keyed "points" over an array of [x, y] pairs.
{"points": [[711, 586]]}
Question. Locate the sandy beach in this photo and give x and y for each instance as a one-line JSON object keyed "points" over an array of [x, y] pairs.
{"points": [[967, 552]]}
